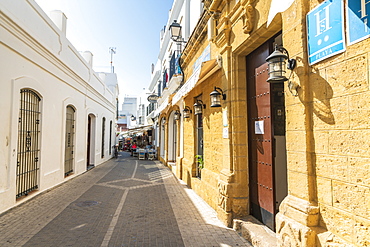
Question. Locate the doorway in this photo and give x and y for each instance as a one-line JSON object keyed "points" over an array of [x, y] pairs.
{"points": [[172, 138], [28, 152], [90, 157], [266, 137]]}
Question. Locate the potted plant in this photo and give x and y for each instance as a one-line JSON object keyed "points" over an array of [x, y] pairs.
{"points": [[200, 161]]}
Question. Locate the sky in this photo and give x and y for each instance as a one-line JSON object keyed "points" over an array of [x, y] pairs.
{"points": [[131, 26]]}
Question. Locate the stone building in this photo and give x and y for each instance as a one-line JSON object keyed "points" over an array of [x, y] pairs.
{"points": [[58, 115], [294, 153]]}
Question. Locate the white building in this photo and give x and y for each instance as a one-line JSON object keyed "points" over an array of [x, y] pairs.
{"points": [[128, 113], [57, 114], [167, 76]]}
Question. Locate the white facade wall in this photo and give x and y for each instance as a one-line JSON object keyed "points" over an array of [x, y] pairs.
{"points": [[187, 14], [129, 108], [36, 55]]}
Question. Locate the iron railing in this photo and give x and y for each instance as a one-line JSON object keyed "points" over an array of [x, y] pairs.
{"points": [[28, 143], [69, 142]]}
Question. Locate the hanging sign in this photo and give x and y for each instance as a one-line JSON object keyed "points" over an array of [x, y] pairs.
{"points": [[358, 23], [153, 98], [325, 31]]}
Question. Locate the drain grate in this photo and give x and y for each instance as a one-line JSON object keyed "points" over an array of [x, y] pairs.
{"points": [[86, 203]]}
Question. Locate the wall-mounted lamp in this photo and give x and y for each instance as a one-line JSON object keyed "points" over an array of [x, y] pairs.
{"points": [[186, 112], [176, 35], [133, 118], [216, 97], [175, 29], [198, 107], [277, 65], [177, 115]]}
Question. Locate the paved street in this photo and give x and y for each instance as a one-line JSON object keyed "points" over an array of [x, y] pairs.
{"points": [[124, 202]]}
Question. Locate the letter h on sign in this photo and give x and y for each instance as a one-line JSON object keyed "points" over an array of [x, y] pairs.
{"points": [[322, 20]]}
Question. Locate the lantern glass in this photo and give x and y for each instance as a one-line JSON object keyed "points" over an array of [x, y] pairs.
{"points": [[176, 115], [186, 113], [175, 29], [197, 108], [277, 66], [215, 99]]}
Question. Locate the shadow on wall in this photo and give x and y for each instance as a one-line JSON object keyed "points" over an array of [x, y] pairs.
{"points": [[322, 93]]}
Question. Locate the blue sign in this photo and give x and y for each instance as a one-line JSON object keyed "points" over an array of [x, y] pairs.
{"points": [[325, 27], [358, 23]]}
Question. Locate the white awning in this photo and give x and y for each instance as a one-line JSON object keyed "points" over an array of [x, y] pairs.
{"points": [[161, 107]]}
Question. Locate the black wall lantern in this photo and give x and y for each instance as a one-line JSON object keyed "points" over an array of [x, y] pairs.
{"points": [[198, 107], [216, 97], [133, 118], [175, 29], [186, 112], [176, 115], [277, 65]]}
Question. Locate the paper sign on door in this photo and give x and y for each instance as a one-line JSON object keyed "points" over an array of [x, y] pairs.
{"points": [[259, 127]]}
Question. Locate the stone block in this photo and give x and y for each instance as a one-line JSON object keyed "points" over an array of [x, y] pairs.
{"points": [[358, 170], [349, 76], [297, 161], [332, 167], [350, 142], [291, 233], [296, 141], [339, 222], [298, 184], [295, 117], [362, 232], [324, 191], [352, 198], [240, 207], [359, 110], [321, 142], [331, 113]]}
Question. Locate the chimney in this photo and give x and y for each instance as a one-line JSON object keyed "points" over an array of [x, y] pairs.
{"points": [[59, 19], [88, 56]]}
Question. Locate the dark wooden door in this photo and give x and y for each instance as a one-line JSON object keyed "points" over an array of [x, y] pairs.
{"points": [[261, 141], [88, 141]]}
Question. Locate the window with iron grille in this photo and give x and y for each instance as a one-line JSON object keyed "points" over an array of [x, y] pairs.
{"points": [[102, 137], [69, 141], [172, 65], [199, 142], [165, 79], [110, 137], [28, 143], [159, 89]]}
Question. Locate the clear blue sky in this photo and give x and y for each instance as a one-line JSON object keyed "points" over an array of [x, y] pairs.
{"points": [[132, 26]]}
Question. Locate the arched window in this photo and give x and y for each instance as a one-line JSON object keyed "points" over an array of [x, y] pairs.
{"points": [[69, 141], [103, 137], [110, 137], [28, 143]]}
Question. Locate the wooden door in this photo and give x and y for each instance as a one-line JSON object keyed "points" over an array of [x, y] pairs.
{"points": [[260, 134]]}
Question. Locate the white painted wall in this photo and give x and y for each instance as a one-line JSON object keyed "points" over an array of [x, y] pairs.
{"points": [[187, 13], [35, 54]]}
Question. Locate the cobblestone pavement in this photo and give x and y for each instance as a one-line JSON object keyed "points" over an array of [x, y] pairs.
{"points": [[124, 202]]}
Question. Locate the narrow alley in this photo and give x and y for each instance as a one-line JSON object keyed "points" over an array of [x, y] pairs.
{"points": [[123, 202]]}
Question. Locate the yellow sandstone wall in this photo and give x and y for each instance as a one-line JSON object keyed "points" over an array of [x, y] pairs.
{"points": [[327, 136], [327, 130]]}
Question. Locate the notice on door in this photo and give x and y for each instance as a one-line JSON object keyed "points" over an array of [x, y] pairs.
{"points": [[259, 127]]}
